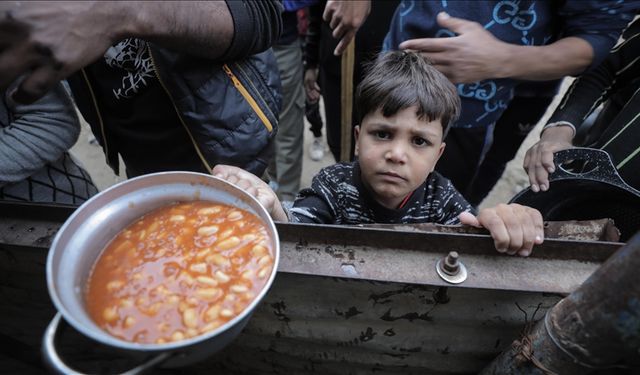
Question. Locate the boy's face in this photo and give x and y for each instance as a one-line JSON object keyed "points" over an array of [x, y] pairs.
{"points": [[397, 153]]}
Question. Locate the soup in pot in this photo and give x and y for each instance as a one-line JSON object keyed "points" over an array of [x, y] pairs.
{"points": [[178, 272]]}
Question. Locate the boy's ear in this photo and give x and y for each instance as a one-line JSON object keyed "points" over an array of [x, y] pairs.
{"points": [[356, 133], [442, 146]]}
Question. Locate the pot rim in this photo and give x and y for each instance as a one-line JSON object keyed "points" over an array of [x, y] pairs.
{"points": [[105, 338]]}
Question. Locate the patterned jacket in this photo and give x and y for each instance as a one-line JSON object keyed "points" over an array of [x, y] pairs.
{"points": [[337, 196]]}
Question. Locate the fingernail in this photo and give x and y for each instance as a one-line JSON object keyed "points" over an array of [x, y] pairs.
{"points": [[524, 253], [535, 188], [538, 239], [444, 14], [543, 187], [551, 169], [500, 250]]}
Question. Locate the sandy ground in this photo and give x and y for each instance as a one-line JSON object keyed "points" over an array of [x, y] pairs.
{"points": [[513, 180]]}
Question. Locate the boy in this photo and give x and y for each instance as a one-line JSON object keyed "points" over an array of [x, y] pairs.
{"points": [[406, 107]]}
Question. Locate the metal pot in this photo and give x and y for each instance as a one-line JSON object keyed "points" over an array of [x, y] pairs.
{"points": [[596, 191], [93, 225]]}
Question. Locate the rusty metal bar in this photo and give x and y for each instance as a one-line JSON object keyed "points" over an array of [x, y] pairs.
{"points": [[557, 266], [596, 327]]}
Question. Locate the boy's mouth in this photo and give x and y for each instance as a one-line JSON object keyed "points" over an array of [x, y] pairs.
{"points": [[392, 175]]}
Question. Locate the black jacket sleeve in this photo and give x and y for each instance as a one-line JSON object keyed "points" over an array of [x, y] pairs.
{"points": [[312, 39], [257, 26], [588, 91]]}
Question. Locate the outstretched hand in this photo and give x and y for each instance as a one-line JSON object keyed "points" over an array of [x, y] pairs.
{"points": [[514, 228], [44, 42], [253, 185], [473, 55], [345, 18], [538, 161]]}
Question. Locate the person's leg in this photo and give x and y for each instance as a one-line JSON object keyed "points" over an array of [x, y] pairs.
{"points": [[289, 139], [330, 84], [312, 113]]}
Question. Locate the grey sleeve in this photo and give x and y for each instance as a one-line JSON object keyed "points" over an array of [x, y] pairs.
{"points": [[38, 133]]}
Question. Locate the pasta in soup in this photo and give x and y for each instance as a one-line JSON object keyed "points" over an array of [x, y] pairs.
{"points": [[178, 272]]}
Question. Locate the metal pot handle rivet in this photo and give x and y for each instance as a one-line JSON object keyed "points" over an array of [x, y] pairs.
{"points": [[55, 363]]}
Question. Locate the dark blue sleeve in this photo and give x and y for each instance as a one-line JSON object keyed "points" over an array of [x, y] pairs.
{"points": [[600, 23]]}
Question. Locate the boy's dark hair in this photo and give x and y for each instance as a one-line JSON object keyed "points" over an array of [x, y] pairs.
{"points": [[399, 79]]}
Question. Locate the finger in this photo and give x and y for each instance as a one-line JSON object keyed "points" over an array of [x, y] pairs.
{"points": [[457, 25], [244, 184], [527, 159], [529, 233], [495, 225], [542, 175], [531, 172], [339, 31], [538, 223], [316, 87], [547, 160], [36, 84], [232, 179], [328, 13], [219, 171], [512, 220], [253, 191], [467, 218], [344, 42], [426, 44], [537, 227]]}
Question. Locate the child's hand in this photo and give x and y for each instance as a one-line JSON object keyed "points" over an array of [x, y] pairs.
{"points": [[514, 228], [253, 185]]}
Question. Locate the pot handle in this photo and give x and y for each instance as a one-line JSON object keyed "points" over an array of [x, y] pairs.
{"points": [[603, 172], [56, 364]]}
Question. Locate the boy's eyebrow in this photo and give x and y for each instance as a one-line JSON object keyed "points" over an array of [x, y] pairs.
{"points": [[422, 132]]}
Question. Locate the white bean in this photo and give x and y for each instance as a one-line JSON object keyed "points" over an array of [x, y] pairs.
{"points": [[208, 230]]}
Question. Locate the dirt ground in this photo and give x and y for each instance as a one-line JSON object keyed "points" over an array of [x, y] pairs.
{"points": [[513, 180]]}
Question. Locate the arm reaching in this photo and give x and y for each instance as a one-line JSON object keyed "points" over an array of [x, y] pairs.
{"points": [[253, 185], [538, 161], [38, 134], [345, 18], [47, 41], [462, 61], [514, 228]]}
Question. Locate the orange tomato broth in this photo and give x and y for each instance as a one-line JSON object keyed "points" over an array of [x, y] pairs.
{"points": [[178, 272]]}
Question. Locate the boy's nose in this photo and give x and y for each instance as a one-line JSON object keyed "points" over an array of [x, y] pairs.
{"points": [[396, 153]]}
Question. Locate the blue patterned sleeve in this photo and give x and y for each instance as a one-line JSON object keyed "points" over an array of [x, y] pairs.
{"points": [[600, 23]]}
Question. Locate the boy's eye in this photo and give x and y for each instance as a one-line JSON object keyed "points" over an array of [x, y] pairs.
{"points": [[418, 141], [382, 134]]}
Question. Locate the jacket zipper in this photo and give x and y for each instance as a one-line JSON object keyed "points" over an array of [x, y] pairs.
{"points": [[259, 76], [247, 96], [195, 145], [95, 104]]}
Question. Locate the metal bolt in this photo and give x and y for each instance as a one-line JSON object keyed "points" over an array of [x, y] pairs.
{"points": [[451, 269], [450, 265]]}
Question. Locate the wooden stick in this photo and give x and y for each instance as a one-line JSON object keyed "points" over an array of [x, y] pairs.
{"points": [[346, 94]]}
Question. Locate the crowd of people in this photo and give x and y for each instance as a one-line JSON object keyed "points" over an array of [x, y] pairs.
{"points": [[446, 93]]}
